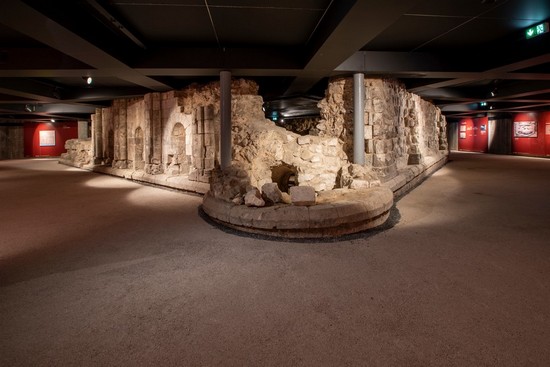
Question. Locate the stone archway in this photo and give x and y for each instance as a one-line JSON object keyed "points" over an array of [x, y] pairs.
{"points": [[177, 160], [285, 176], [139, 162]]}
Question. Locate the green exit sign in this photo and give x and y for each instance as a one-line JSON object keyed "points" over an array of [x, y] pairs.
{"points": [[536, 30]]}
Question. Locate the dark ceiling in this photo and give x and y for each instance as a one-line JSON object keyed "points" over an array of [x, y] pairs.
{"points": [[454, 53]]}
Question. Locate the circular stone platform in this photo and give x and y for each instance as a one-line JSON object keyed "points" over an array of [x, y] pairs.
{"points": [[336, 213]]}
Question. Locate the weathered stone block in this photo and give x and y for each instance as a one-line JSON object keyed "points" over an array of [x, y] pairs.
{"points": [[368, 132], [306, 155], [379, 146], [254, 198], [414, 159], [271, 192], [287, 217], [302, 195]]}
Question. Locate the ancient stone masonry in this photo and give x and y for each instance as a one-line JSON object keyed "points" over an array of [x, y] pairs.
{"points": [[173, 139], [328, 194], [401, 129], [79, 153]]}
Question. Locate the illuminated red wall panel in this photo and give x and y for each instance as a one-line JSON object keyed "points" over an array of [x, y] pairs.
{"points": [[472, 135], [531, 135], [47, 139]]}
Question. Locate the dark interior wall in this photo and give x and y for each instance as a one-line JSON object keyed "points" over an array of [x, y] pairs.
{"points": [[11, 141], [500, 136], [61, 131], [452, 135]]}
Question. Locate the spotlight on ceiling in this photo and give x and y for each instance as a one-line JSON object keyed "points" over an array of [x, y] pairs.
{"points": [[52, 120], [30, 108], [88, 79]]}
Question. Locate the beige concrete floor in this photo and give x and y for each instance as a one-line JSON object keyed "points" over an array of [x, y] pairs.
{"points": [[99, 271]]}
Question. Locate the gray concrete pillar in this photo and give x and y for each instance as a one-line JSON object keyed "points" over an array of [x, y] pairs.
{"points": [[225, 117], [359, 119]]}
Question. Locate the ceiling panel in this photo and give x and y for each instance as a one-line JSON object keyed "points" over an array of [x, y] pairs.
{"points": [[477, 32], [271, 4], [166, 23], [457, 8], [410, 32], [267, 27]]}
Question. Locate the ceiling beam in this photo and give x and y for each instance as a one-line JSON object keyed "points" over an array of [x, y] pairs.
{"points": [[364, 20], [41, 28], [509, 68]]}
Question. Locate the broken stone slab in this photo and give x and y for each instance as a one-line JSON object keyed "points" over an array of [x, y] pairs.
{"points": [[254, 198], [271, 193], [302, 195]]}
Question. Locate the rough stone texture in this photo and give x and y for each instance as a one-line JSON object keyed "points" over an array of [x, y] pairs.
{"points": [[79, 153], [302, 195], [230, 183], [338, 212], [260, 146], [302, 126], [254, 198], [175, 136], [401, 129], [271, 193]]}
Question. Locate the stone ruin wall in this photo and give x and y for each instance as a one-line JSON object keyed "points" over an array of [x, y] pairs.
{"points": [[161, 134], [401, 129], [177, 134]]}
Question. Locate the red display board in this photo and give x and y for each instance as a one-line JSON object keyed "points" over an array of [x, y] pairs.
{"points": [[531, 135], [472, 135], [47, 139]]}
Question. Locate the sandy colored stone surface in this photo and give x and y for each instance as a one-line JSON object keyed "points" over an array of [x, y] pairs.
{"points": [[100, 271], [339, 212]]}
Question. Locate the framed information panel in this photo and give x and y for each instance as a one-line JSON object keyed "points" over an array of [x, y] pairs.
{"points": [[47, 138], [525, 129]]}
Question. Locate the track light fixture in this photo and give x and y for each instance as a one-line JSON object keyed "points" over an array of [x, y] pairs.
{"points": [[30, 108]]}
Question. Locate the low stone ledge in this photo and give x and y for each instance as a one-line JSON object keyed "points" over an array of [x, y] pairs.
{"points": [[346, 212], [413, 176], [180, 182]]}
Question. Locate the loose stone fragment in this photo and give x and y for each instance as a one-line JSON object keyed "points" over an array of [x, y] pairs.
{"points": [[254, 198], [271, 192]]}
